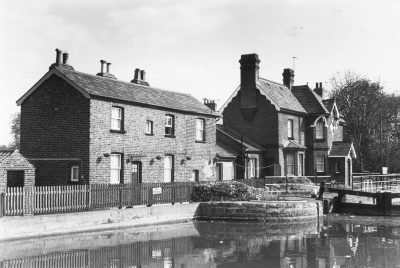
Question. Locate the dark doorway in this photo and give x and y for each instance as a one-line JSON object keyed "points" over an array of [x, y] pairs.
{"points": [[136, 172], [15, 178], [218, 172]]}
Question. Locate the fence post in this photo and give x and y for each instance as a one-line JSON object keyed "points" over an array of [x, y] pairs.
{"points": [[2, 205], [150, 198], [120, 196], [286, 181]]}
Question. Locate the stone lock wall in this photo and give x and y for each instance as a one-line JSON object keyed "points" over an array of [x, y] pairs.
{"points": [[261, 211]]}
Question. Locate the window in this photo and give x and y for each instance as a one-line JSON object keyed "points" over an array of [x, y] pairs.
{"points": [[75, 173], [195, 175], [200, 130], [149, 127], [117, 118], [169, 125], [290, 164], [320, 163], [168, 168], [115, 168], [319, 130], [337, 167], [300, 165], [290, 128], [252, 168]]}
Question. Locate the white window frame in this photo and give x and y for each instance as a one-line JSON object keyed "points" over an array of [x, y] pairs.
{"points": [[149, 127], [169, 125], [115, 167], [75, 173], [320, 163], [116, 118], [252, 168], [168, 168], [289, 164], [319, 130], [200, 123], [290, 128]]}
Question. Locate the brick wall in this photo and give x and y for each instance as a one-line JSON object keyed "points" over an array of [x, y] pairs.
{"points": [[54, 130], [134, 144], [16, 162]]}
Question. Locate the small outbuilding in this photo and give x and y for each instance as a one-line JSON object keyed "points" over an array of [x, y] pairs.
{"points": [[15, 170]]}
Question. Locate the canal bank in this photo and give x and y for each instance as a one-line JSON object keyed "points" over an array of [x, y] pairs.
{"points": [[14, 228]]}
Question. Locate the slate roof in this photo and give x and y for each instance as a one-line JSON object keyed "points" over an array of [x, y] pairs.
{"points": [[250, 145], [280, 95], [342, 149], [115, 89], [224, 151], [292, 144], [329, 104], [310, 100], [5, 154]]}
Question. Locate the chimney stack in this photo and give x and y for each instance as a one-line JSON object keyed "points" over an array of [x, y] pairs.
{"points": [[140, 77], [288, 78], [61, 60], [319, 90], [210, 104], [249, 78], [105, 73]]}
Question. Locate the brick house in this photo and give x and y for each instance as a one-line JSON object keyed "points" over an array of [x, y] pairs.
{"points": [[79, 128], [15, 170], [294, 125]]}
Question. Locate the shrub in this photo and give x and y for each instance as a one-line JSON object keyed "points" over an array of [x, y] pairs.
{"points": [[228, 190]]}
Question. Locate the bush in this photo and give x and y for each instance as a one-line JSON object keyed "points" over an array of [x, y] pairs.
{"points": [[296, 180], [228, 190]]}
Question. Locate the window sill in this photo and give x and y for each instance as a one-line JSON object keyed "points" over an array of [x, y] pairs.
{"points": [[170, 136], [117, 131], [149, 134], [197, 141]]}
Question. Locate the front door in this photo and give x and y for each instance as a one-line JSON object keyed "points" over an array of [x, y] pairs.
{"points": [[136, 193], [15, 178], [218, 171], [136, 172]]}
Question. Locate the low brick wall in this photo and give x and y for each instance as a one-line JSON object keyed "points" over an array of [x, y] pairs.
{"points": [[261, 211]]}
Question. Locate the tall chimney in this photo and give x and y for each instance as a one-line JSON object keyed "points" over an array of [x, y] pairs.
{"points": [[61, 60], [140, 77], [249, 78], [288, 78], [319, 90], [210, 104]]}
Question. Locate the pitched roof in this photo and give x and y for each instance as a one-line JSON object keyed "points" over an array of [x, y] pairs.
{"points": [[329, 104], [292, 144], [5, 154], [342, 149], [250, 145], [224, 151], [310, 100], [105, 87], [279, 95]]}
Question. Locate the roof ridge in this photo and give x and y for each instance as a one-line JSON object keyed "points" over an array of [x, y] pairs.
{"points": [[271, 81], [121, 81]]}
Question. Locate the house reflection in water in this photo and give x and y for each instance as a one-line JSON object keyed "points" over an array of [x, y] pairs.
{"points": [[219, 244]]}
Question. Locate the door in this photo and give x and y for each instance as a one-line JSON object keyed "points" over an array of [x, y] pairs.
{"points": [[136, 194], [15, 178], [218, 171]]}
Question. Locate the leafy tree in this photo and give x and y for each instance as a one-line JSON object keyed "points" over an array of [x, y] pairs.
{"points": [[361, 103], [15, 131]]}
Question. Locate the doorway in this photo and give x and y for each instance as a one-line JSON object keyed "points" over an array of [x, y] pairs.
{"points": [[218, 171], [136, 172], [15, 178]]}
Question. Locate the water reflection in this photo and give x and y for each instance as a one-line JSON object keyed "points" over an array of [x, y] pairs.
{"points": [[215, 244]]}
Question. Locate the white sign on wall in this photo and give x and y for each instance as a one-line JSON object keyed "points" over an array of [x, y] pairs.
{"points": [[157, 190], [384, 171]]}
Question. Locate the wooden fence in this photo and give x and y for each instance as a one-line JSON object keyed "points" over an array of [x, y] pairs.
{"points": [[18, 201]]}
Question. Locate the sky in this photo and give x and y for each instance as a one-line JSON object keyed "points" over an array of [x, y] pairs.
{"points": [[194, 46]]}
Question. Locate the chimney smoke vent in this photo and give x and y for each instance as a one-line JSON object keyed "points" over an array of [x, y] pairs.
{"points": [[102, 62], [61, 60], [210, 104], [288, 78], [140, 77], [108, 67], [58, 56], [143, 75], [105, 73], [65, 57]]}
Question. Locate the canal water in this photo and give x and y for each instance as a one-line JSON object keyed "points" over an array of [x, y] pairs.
{"points": [[214, 244]]}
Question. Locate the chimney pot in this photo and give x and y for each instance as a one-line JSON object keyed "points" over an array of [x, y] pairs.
{"points": [[102, 65], [143, 75], [316, 85], [58, 56], [65, 57], [137, 74], [108, 67], [210, 104], [320, 84]]}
